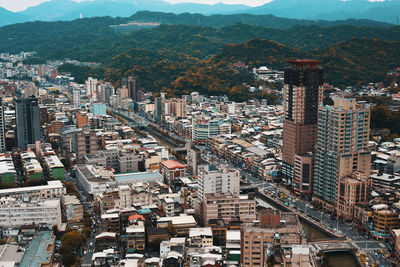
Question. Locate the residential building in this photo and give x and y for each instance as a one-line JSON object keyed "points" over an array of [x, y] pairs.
{"points": [[216, 181], [274, 228], [132, 92], [72, 208], [53, 189], [91, 87], [200, 237], [204, 129], [86, 143], [76, 97], [384, 220], [171, 170], [181, 223], [228, 206], [352, 190], [342, 147]]}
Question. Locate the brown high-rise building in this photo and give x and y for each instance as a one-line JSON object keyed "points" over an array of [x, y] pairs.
{"points": [[303, 94]]}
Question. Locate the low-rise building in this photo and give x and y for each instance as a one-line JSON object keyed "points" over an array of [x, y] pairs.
{"points": [[72, 208], [384, 221], [171, 170], [200, 237], [53, 189], [26, 211], [228, 206], [181, 223]]}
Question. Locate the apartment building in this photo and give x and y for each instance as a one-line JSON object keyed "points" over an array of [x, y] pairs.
{"points": [[228, 206], [274, 228], [342, 147]]}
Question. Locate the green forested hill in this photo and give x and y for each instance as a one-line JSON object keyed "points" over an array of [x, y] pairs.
{"points": [[353, 62], [268, 21], [182, 58]]}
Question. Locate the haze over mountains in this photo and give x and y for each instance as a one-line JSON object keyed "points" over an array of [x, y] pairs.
{"points": [[53, 10]]}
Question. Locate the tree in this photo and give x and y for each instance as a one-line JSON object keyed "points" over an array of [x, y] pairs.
{"points": [[70, 245], [171, 230], [68, 259]]}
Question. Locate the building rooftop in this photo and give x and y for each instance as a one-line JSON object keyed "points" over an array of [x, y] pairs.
{"points": [[172, 164], [37, 252], [137, 177], [176, 220], [300, 250], [9, 254], [203, 231], [71, 199], [233, 235]]}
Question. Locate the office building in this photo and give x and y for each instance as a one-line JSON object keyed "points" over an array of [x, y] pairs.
{"points": [[342, 147], [302, 95], [28, 121]]}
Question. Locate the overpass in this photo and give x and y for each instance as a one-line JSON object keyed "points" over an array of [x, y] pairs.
{"points": [[333, 246], [304, 217]]}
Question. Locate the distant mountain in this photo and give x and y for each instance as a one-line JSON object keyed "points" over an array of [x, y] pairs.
{"points": [[8, 17], [68, 9], [53, 10], [386, 11]]}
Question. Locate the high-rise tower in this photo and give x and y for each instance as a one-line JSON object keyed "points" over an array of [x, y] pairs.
{"points": [[342, 147], [28, 121], [303, 94]]}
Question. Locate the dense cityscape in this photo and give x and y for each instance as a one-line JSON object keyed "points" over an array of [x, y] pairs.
{"points": [[120, 177], [153, 140]]}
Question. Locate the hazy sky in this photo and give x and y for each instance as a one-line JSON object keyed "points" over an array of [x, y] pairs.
{"points": [[18, 5]]}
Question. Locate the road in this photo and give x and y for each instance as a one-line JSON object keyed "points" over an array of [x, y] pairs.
{"points": [[88, 208], [371, 247]]}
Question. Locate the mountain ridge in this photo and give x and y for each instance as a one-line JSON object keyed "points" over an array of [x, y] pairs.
{"points": [[386, 11]]}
